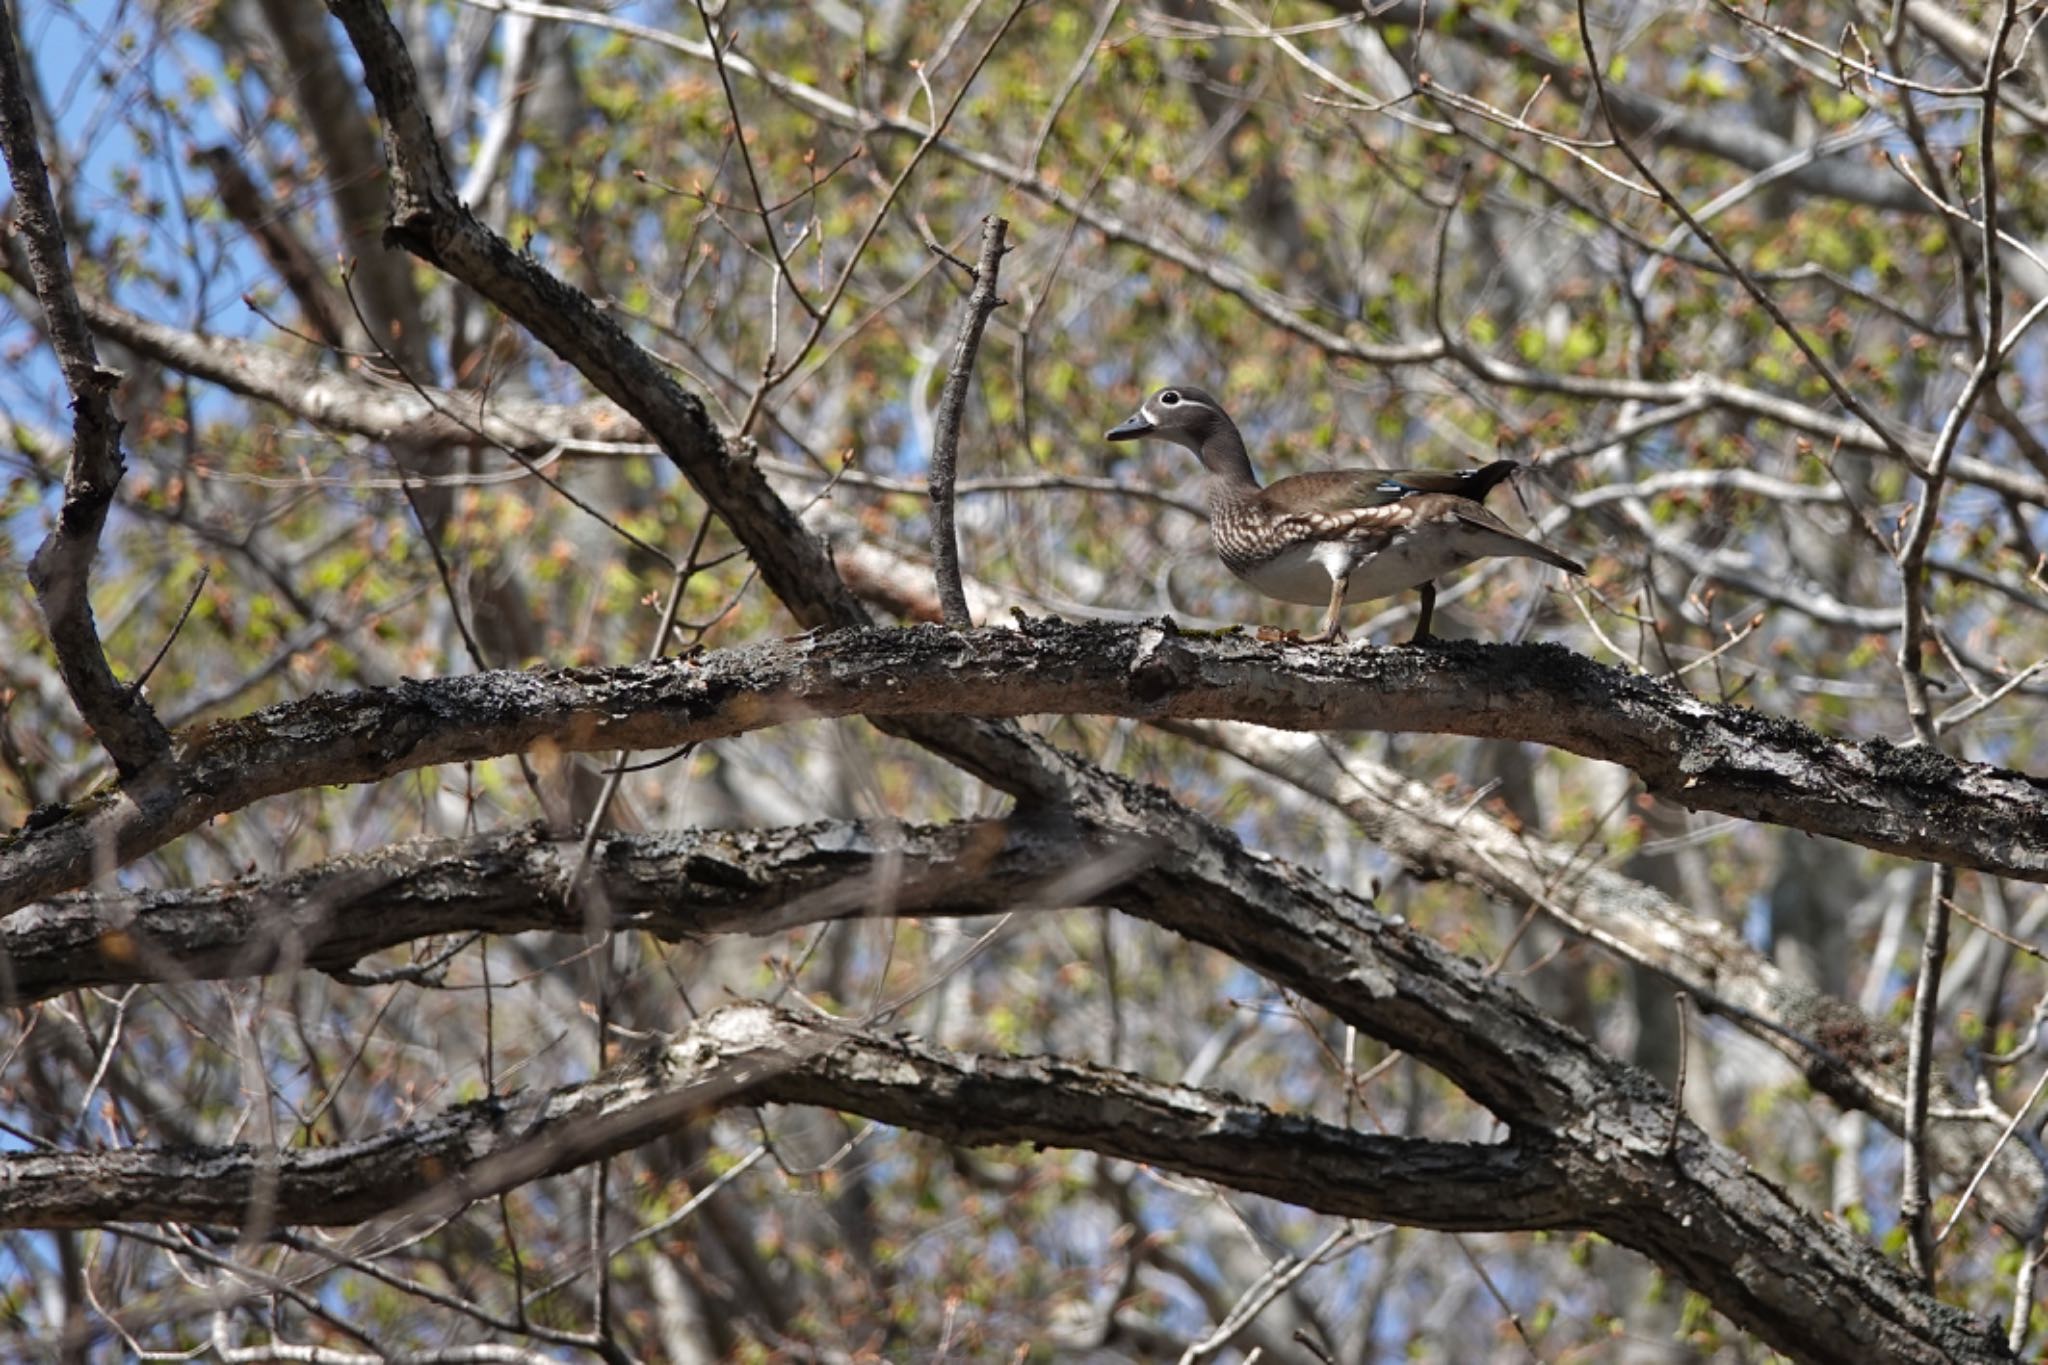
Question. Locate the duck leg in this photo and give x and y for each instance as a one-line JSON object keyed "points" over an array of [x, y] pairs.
{"points": [[1333, 630], [1422, 635]]}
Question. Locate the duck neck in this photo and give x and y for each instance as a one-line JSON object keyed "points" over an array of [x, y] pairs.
{"points": [[1229, 464]]}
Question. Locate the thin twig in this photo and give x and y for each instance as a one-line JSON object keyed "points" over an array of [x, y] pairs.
{"points": [[1278, 1279], [952, 407], [165, 648], [1991, 1156], [1915, 1203], [2023, 1297], [1964, 711], [1682, 1002], [1308, 1343], [1501, 1300], [2018, 944], [739, 135]]}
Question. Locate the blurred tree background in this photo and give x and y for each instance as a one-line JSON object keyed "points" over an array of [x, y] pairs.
{"points": [[1756, 307]]}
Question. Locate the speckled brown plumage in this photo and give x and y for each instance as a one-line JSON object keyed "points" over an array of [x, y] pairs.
{"points": [[1335, 536]]}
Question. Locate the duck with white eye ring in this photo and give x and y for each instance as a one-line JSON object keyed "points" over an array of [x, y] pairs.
{"points": [[1335, 536]]}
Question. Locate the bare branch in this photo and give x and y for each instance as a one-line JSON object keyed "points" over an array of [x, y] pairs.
{"points": [[1856, 1060], [676, 887], [691, 886], [748, 1054], [61, 571], [1916, 1209], [1916, 1203], [1983, 376], [952, 408], [1596, 1177], [1908, 801]]}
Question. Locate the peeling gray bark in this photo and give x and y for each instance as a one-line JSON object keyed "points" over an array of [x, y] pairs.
{"points": [[1912, 802]]}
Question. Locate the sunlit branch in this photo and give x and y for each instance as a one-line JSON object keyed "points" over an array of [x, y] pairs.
{"points": [[1702, 755]]}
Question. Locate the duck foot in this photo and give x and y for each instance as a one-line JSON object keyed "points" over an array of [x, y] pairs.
{"points": [[1422, 635]]}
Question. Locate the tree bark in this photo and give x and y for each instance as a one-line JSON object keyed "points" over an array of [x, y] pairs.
{"points": [[1912, 802], [1809, 1289]]}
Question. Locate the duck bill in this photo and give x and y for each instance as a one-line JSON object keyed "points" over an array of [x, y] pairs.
{"points": [[1132, 427]]}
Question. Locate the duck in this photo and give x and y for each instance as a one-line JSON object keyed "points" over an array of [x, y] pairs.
{"points": [[1332, 537]]}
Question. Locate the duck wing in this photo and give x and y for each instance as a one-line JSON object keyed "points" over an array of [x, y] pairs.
{"points": [[1464, 483], [1503, 540], [1330, 491]]}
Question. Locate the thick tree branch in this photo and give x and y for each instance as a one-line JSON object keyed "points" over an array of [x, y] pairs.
{"points": [[330, 99], [61, 571], [428, 220], [696, 884], [1857, 1061], [749, 1054], [1369, 973], [1404, 989], [1603, 1177], [1909, 801], [676, 887]]}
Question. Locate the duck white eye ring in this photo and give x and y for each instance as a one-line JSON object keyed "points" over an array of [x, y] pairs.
{"points": [[1171, 398]]}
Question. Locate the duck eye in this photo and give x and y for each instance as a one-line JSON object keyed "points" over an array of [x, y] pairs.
{"points": [[1169, 399]]}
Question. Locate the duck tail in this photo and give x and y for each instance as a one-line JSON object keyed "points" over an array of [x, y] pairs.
{"points": [[1510, 542], [1479, 482]]}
